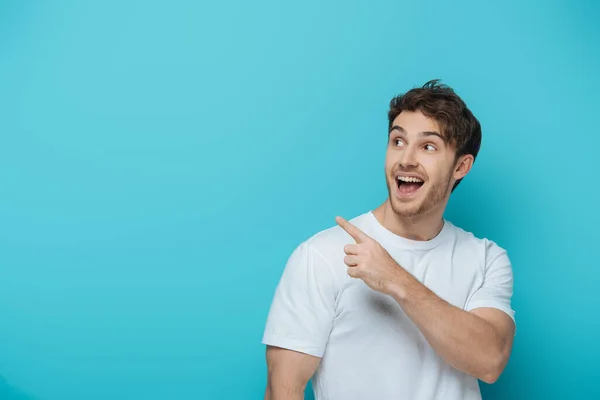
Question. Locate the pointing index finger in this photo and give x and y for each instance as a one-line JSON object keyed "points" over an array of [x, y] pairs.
{"points": [[358, 235]]}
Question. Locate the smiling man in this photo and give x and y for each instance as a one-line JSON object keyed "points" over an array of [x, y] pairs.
{"points": [[398, 303]]}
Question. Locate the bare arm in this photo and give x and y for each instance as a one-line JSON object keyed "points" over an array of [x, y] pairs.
{"points": [[288, 373], [477, 342]]}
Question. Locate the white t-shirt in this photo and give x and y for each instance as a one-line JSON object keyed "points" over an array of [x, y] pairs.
{"points": [[370, 349]]}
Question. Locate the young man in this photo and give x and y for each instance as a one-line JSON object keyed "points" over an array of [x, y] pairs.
{"points": [[398, 303]]}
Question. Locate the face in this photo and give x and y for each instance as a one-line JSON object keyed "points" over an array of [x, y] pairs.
{"points": [[420, 166]]}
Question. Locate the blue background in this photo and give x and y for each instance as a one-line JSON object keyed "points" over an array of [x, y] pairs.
{"points": [[159, 161]]}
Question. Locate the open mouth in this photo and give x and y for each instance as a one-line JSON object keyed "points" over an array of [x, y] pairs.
{"points": [[408, 185]]}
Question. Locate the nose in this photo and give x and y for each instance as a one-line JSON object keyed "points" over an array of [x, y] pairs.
{"points": [[408, 157]]}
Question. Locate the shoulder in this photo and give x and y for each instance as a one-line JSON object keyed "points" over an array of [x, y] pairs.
{"points": [[486, 249], [323, 252], [330, 242]]}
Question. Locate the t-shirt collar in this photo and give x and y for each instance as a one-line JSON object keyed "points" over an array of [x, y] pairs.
{"points": [[396, 240]]}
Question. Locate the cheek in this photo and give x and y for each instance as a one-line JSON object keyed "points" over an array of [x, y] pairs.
{"points": [[436, 170], [389, 162]]}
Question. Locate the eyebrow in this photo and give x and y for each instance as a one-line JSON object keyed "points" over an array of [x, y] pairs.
{"points": [[424, 133]]}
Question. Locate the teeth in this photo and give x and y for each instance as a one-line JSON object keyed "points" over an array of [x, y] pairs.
{"points": [[408, 179]]}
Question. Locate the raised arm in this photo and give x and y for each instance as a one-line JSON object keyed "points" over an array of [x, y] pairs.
{"points": [[288, 373], [476, 340]]}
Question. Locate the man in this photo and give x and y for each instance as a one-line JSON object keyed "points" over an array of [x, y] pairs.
{"points": [[398, 303]]}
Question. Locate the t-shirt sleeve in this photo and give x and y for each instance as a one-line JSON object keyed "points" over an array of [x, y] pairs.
{"points": [[302, 310], [497, 287]]}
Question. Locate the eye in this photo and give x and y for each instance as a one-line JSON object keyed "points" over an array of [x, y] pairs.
{"points": [[398, 140], [430, 147]]}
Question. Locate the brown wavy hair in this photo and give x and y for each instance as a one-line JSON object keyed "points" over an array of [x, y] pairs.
{"points": [[439, 102]]}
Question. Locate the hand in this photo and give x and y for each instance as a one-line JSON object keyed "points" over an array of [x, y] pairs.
{"points": [[369, 261]]}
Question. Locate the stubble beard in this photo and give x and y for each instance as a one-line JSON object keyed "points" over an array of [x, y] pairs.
{"points": [[436, 195]]}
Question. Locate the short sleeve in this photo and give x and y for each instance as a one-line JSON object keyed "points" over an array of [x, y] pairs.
{"points": [[497, 287], [302, 310]]}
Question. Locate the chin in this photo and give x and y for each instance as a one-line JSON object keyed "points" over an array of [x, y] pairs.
{"points": [[408, 207], [405, 210], [426, 199], [414, 207]]}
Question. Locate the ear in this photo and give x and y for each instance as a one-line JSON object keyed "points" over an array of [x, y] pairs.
{"points": [[463, 166]]}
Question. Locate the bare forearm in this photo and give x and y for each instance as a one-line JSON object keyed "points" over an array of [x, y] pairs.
{"points": [[465, 341], [476, 344]]}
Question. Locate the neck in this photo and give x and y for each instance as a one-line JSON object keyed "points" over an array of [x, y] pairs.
{"points": [[420, 227]]}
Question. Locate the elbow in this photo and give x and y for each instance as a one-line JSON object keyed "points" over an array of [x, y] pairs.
{"points": [[490, 377], [493, 369]]}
